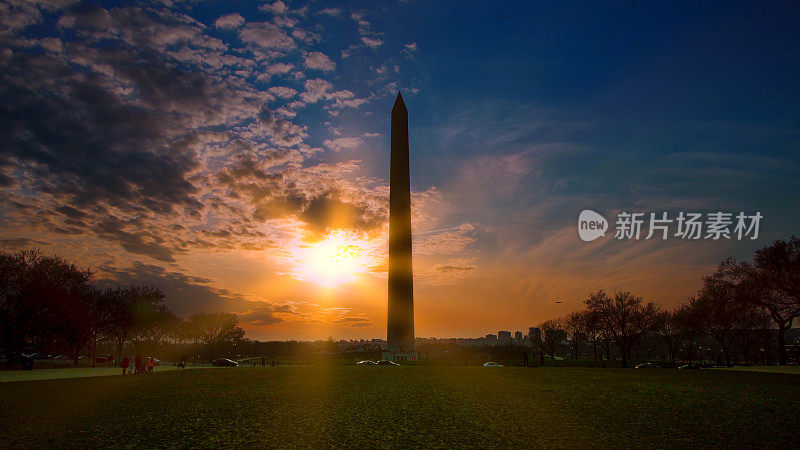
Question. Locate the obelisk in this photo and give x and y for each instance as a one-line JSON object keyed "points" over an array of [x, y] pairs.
{"points": [[400, 326]]}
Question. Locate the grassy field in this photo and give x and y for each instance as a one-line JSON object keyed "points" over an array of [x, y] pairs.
{"points": [[65, 372], [345, 406], [766, 369]]}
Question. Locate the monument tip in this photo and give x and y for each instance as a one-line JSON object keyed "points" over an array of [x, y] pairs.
{"points": [[399, 103]]}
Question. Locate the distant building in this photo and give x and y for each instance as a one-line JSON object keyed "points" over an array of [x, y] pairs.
{"points": [[518, 338], [534, 335], [491, 339], [504, 338], [400, 356]]}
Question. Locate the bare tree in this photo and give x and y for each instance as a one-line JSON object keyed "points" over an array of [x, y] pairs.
{"points": [[131, 311], [625, 317], [216, 329], [575, 325], [774, 278], [674, 328], [593, 330], [552, 332], [722, 309]]}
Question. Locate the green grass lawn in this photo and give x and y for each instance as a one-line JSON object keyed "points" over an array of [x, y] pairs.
{"points": [[765, 369], [65, 372], [346, 406]]}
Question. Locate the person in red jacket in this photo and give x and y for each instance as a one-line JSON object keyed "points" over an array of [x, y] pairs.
{"points": [[124, 364]]}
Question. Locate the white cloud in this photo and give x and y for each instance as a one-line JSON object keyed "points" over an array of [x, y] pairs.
{"points": [[410, 49], [282, 91], [342, 143], [319, 61], [330, 11], [371, 42], [229, 21], [265, 35], [279, 68], [276, 8], [316, 90]]}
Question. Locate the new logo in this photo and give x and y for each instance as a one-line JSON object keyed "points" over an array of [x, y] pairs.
{"points": [[591, 225]]}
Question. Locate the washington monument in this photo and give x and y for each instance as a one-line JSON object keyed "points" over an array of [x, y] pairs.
{"points": [[400, 326]]}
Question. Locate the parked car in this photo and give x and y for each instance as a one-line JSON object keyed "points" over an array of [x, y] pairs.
{"points": [[386, 362], [366, 363], [689, 366], [224, 362], [648, 366], [492, 364], [103, 358]]}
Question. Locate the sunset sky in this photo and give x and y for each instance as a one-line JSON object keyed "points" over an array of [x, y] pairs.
{"points": [[236, 154]]}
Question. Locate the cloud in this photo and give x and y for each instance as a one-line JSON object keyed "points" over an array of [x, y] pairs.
{"points": [[319, 61], [137, 241], [122, 132], [229, 21], [282, 92], [372, 42], [21, 243], [446, 241], [278, 7], [449, 269], [334, 12], [282, 131], [266, 35], [316, 90], [320, 198], [187, 294], [410, 49], [353, 322], [343, 143]]}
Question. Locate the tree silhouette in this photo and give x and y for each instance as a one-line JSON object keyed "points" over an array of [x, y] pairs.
{"points": [[774, 284], [625, 317]]}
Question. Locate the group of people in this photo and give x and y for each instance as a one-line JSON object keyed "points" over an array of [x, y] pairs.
{"points": [[525, 358], [140, 365]]}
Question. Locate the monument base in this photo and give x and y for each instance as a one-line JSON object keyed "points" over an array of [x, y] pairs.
{"points": [[400, 356]]}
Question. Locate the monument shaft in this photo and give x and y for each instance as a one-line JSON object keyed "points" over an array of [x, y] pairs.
{"points": [[400, 326]]}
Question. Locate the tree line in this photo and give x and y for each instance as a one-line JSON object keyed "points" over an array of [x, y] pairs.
{"points": [[50, 304], [742, 305]]}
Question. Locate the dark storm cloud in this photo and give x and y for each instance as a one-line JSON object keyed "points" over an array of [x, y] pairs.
{"points": [[331, 211], [113, 123], [319, 199], [21, 243], [188, 294], [139, 242], [85, 143]]}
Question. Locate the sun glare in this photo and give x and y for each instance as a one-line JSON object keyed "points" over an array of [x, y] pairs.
{"points": [[335, 260]]}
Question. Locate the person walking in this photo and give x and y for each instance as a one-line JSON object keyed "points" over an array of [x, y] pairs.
{"points": [[151, 364], [124, 364], [137, 364]]}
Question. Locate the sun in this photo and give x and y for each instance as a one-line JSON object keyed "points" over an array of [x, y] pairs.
{"points": [[335, 260]]}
